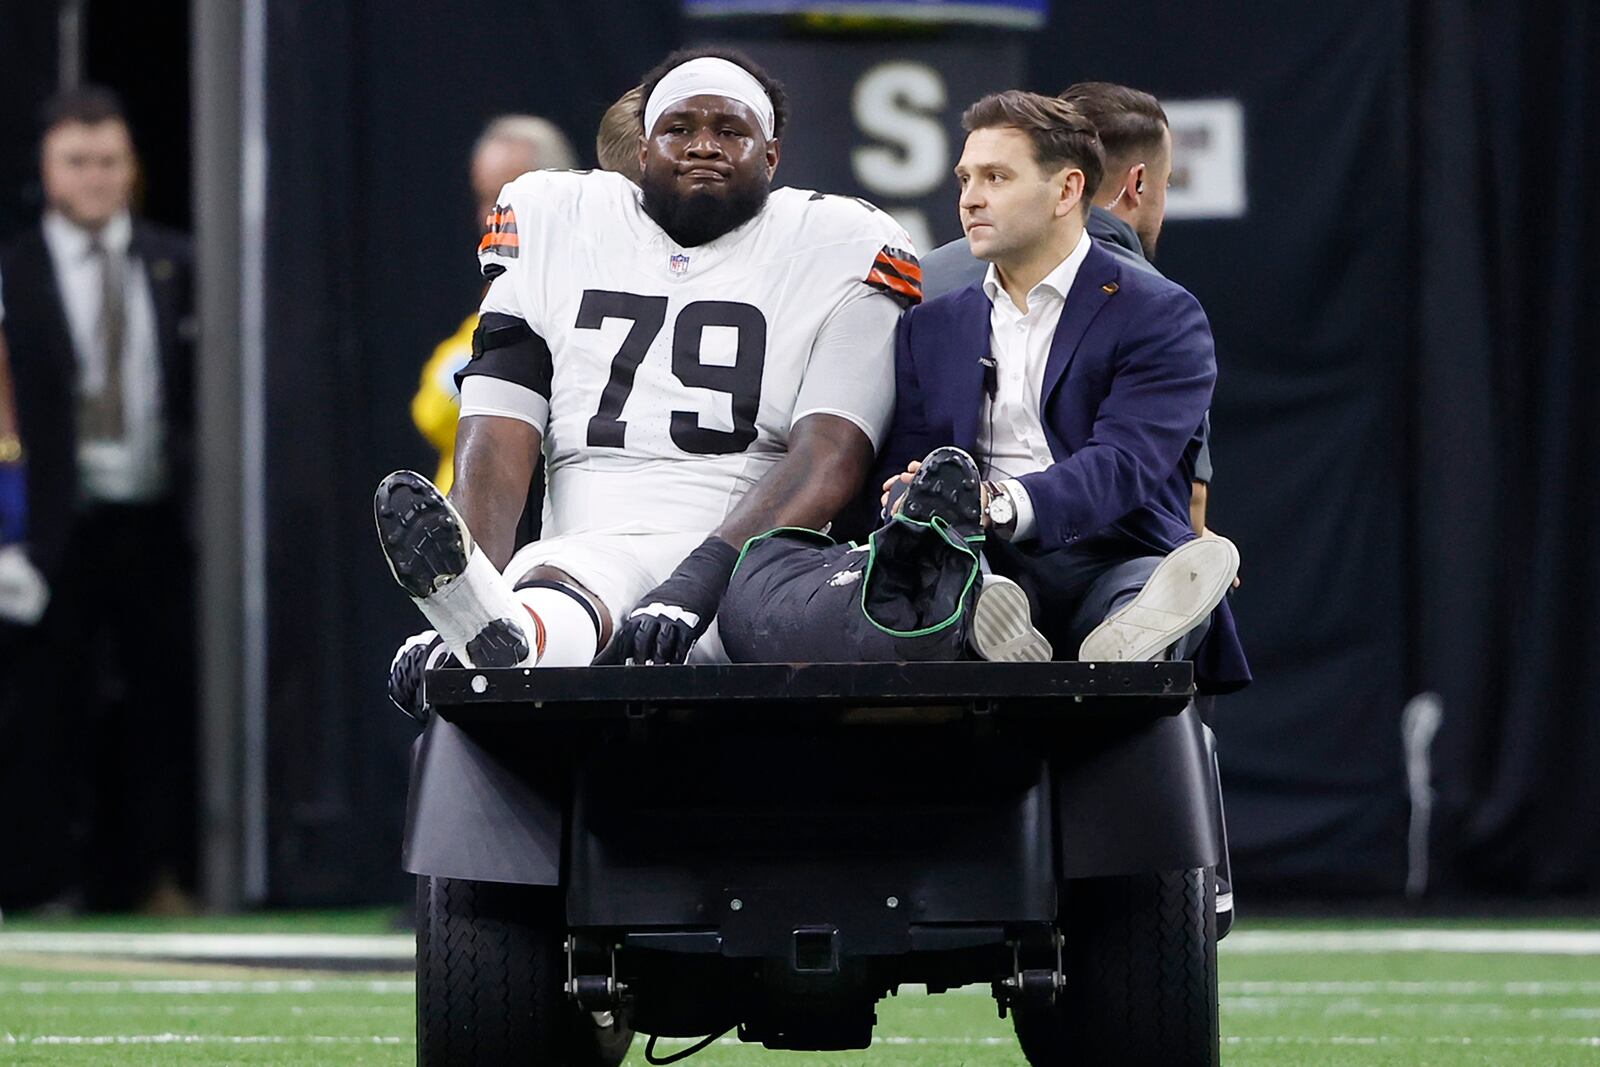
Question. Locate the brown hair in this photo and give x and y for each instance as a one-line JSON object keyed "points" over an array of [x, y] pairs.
{"points": [[90, 105], [617, 144], [1131, 122], [1061, 134]]}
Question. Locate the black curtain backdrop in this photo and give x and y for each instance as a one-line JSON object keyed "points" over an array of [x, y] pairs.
{"points": [[1508, 189], [1402, 423], [27, 78], [1306, 295]]}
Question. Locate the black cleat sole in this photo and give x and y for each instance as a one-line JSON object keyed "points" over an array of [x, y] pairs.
{"points": [[947, 486], [425, 543], [500, 644]]}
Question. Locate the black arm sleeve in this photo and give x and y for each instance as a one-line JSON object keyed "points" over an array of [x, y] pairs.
{"points": [[505, 347]]}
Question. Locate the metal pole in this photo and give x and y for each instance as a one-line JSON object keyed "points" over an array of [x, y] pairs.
{"points": [[216, 76], [253, 439], [69, 45]]}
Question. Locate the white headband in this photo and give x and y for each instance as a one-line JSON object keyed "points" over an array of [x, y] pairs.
{"points": [[709, 76]]}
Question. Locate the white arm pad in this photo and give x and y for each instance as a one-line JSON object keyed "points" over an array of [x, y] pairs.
{"points": [[483, 395]]}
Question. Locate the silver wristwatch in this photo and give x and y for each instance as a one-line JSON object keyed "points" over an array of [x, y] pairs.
{"points": [[1002, 512]]}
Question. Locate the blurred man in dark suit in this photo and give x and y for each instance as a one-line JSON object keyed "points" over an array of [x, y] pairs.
{"points": [[99, 306]]}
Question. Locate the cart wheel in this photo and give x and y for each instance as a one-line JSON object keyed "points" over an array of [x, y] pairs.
{"points": [[1140, 961], [490, 972]]}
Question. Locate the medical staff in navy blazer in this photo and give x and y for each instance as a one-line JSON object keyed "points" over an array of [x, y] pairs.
{"points": [[1077, 383]]}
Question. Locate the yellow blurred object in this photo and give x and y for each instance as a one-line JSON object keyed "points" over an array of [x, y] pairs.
{"points": [[437, 405]]}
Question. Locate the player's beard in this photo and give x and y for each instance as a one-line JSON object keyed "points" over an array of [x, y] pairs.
{"points": [[698, 217]]}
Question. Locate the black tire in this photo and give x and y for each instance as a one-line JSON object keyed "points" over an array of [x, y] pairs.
{"points": [[1140, 960], [490, 976]]}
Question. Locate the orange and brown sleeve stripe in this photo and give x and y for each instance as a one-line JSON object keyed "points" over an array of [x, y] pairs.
{"points": [[897, 274], [500, 232]]}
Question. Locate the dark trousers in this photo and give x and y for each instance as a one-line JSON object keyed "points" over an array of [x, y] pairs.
{"points": [[98, 728], [1073, 589], [903, 597], [795, 600]]}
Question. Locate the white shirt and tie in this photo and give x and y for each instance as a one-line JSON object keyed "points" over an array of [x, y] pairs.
{"points": [[1011, 427], [127, 466]]}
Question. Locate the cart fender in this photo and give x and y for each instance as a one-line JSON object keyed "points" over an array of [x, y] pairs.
{"points": [[1136, 796], [489, 818]]}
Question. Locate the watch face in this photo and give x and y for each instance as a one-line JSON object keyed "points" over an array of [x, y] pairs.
{"points": [[1000, 510]]}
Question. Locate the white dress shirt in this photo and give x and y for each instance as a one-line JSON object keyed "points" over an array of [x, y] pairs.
{"points": [[132, 470], [1011, 427]]}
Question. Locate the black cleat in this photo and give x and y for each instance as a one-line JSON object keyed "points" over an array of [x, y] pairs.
{"points": [[499, 644], [947, 486], [425, 541], [430, 553]]}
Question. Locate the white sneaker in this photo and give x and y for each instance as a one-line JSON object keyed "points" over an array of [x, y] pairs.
{"points": [[1002, 625], [1182, 591]]}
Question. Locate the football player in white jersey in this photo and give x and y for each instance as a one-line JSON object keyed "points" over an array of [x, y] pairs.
{"points": [[699, 358]]}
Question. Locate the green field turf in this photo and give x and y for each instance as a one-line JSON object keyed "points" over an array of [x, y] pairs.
{"points": [[1395, 1008]]}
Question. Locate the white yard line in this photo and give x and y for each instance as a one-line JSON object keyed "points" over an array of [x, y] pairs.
{"points": [[198, 1039], [388, 947], [1520, 942], [1330, 1008], [1411, 989], [891, 1039], [1255, 1039], [215, 946], [206, 987], [1354, 1039], [404, 986]]}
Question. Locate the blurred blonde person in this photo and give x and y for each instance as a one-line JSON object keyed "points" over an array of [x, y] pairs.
{"points": [[617, 145], [508, 148]]}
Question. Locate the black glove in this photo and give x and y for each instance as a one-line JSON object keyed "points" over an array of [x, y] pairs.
{"points": [[675, 614]]}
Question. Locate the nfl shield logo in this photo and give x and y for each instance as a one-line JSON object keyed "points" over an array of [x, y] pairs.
{"points": [[678, 264]]}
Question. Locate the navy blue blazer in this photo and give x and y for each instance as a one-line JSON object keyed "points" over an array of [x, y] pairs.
{"points": [[1128, 379]]}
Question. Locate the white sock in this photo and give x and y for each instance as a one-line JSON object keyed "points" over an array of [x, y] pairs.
{"points": [[569, 637], [472, 600]]}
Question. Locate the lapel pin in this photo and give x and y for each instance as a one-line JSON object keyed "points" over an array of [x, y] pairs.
{"points": [[1109, 287]]}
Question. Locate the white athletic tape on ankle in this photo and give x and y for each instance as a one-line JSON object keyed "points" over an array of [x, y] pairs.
{"points": [[477, 597]]}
